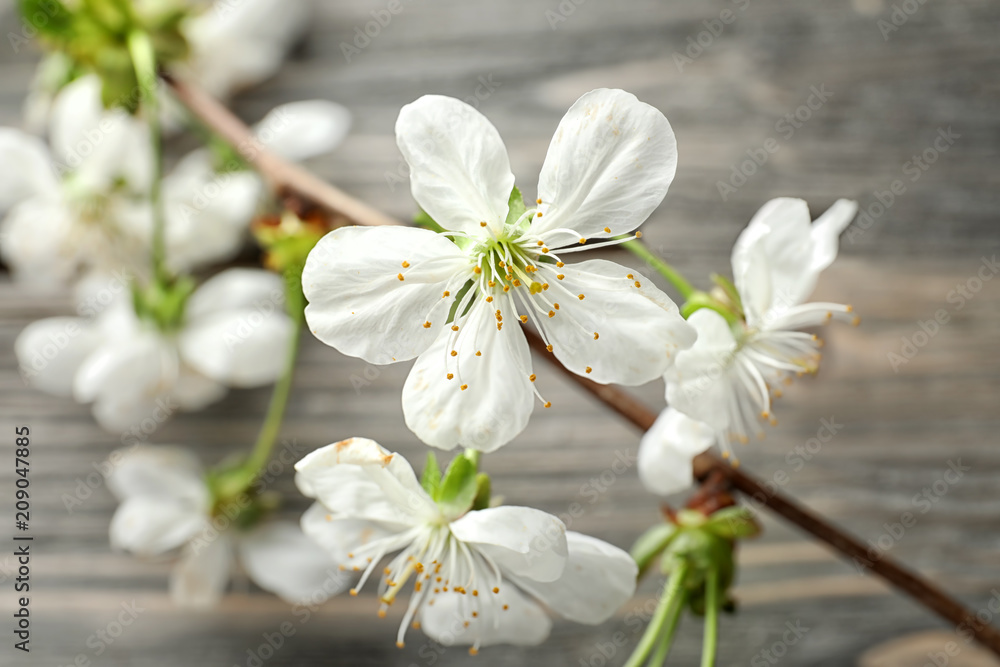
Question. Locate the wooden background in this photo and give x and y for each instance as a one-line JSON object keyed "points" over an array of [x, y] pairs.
{"points": [[890, 98]]}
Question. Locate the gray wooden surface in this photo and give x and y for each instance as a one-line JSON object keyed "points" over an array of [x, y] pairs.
{"points": [[900, 430]]}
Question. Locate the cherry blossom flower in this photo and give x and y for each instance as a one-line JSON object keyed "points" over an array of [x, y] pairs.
{"points": [[476, 574], [455, 300], [136, 371], [69, 205], [726, 379], [167, 506]]}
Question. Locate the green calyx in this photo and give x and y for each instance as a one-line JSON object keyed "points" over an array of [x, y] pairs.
{"points": [[94, 34], [460, 488], [703, 544], [235, 497], [162, 303]]}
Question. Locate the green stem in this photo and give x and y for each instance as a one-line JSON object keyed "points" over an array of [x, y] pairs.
{"points": [[667, 640], [279, 397], [143, 54], [651, 637], [639, 249], [711, 638]]}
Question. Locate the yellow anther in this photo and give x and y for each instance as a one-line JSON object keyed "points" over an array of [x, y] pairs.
{"points": [[454, 327], [560, 264], [638, 235], [548, 404], [482, 224], [596, 335], [477, 270], [552, 313], [588, 369], [506, 607], [638, 284], [496, 589], [630, 277], [492, 283], [581, 297], [538, 201], [427, 325], [406, 264], [524, 319], [489, 299], [450, 376], [539, 214], [532, 377], [446, 294], [582, 241], [560, 276], [354, 592], [454, 353], [548, 348], [556, 306], [400, 276], [545, 286], [382, 613], [478, 353], [607, 230], [545, 250], [517, 283], [399, 644], [541, 243]]}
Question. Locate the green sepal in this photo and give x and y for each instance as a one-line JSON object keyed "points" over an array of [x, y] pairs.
{"points": [[422, 219], [163, 304], [733, 523], [430, 479], [458, 487], [515, 209], [651, 544], [483, 491], [699, 300], [50, 18]]}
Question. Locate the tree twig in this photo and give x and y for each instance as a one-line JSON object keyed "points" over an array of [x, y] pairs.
{"points": [[290, 179]]}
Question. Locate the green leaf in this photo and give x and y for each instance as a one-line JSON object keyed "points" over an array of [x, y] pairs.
{"points": [[733, 523], [430, 480], [651, 544], [458, 487]]}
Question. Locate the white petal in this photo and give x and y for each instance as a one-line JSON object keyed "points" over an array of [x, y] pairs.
{"points": [[497, 400], [201, 576], [523, 541], [76, 112], [25, 168], [161, 473], [599, 578], [609, 164], [144, 364], [342, 475], [238, 348], [449, 620], [149, 526], [301, 130], [779, 256], [622, 333], [358, 304], [667, 451], [234, 289], [122, 409], [50, 352], [698, 384], [459, 170], [32, 242], [338, 537], [826, 230], [281, 559], [193, 391]]}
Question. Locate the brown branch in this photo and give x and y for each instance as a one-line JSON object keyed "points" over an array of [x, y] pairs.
{"points": [[289, 178]]}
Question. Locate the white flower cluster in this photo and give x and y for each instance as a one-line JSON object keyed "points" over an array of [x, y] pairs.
{"points": [[452, 295]]}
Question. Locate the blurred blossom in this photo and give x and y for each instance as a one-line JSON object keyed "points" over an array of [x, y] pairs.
{"points": [[167, 505], [210, 199], [70, 205], [720, 390], [239, 43], [474, 571], [139, 368], [455, 300]]}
